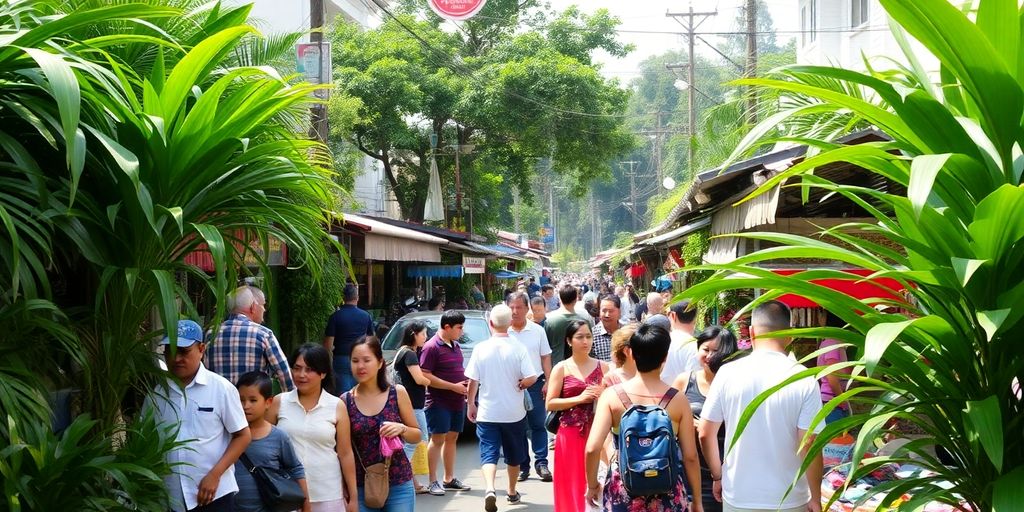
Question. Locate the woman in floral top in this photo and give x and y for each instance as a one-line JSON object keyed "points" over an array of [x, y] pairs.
{"points": [[376, 410], [575, 384]]}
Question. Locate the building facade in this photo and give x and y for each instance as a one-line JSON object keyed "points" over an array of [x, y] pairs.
{"points": [[841, 33]]}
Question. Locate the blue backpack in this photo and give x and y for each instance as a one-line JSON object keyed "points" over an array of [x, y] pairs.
{"points": [[649, 458]]}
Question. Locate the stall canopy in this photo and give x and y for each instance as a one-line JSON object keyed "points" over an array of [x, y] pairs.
{"points": [[434, 271], [507, 274], [856, 286], [385, 242]]}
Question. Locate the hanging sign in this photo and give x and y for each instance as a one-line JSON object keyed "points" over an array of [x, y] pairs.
{"points": [[313, 61], [474, 265], [456, 10]]}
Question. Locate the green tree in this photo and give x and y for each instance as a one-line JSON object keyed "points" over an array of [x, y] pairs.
{"points": [[951, 367], [133, 134], [516, 96]]}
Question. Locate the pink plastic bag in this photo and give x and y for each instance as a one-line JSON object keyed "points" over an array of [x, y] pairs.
{"points": [[389, 445]]}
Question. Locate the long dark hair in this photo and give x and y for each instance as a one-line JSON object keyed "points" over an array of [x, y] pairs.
{"points": [[374, 345], [319, 360], [409, 334]]}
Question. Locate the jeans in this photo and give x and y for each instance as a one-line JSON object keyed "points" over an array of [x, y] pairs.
{"points": [[225, 503], [343, 378], [401, 498], [421, 423], [536, 433]]}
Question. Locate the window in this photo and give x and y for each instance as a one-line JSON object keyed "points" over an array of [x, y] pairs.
{"points": [[858, 13], [803, 26], [814, 20]]}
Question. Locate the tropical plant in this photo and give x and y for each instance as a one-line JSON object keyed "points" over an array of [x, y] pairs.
{"points": [[129, 140], [950, 366]]}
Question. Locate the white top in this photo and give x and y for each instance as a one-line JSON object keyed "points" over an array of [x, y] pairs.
{"points": [[581, 310], [757, 472], [682, 356], [535, 341], [498, 364], [314, 437], [627, 308], [206, 412]]}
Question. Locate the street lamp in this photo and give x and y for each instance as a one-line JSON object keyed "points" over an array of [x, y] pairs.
{"points": [[681, 85]]}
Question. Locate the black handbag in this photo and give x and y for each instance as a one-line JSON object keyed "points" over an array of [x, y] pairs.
{"points": [[552, 421], [280, 493]]}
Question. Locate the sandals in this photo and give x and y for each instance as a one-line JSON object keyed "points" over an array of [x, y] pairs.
{"points": [[423, 489]]}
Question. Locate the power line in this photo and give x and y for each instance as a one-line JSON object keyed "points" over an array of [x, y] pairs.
{"points": [[468, 73]]}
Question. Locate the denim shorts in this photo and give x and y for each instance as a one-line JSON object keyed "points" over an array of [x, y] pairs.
{"points": [[421, 423], [401, 498], [443, 421], [498, 438]]}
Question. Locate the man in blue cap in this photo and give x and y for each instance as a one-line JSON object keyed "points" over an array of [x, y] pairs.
{"points": [[211, 425]]}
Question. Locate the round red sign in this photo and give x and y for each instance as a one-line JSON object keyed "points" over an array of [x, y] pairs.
{"points": [[457, 10]]}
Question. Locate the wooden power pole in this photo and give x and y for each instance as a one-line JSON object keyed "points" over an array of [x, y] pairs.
{"points": [[318, 128], [692, 22], [751, 67]]}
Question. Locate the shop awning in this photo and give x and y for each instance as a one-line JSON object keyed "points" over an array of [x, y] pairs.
{"points": [[455, 271], [384, 242], [676, 235], [855, 286]]}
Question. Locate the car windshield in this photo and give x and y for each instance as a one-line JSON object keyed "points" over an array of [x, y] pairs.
{"points": [[475, 330]]}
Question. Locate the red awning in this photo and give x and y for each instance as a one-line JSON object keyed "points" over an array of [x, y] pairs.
{"points": [[856, 287], [637, 270]]}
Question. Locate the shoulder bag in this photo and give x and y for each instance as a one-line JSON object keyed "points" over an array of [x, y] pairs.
{"points": [[279, 492], [377, 480]]}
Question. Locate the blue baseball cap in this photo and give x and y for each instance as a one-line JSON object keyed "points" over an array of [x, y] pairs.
{"points": [[189, 333]]}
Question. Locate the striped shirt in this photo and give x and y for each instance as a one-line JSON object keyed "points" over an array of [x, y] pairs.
{"points": [[242, 346]]}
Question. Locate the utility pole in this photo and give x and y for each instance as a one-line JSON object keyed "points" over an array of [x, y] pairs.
{"points": [[318, 113], [458, 178], [657, 146], [632, 191], [691, 39], [751, 68], [593, 225]]}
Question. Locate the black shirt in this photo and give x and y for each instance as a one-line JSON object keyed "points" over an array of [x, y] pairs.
{"points": [[417, 393]]}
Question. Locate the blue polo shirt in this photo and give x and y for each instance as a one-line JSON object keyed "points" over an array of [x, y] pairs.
{"points": [[347, 325]]}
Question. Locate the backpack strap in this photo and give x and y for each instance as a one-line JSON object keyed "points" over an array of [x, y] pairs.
{"points": [[623, 397], [667, 397]]}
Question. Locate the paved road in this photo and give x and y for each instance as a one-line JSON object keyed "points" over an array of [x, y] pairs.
{"points": [[537, 495]]}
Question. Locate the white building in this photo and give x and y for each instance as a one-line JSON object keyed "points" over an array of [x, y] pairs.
{"points": [[276, 16], [841, 32]]}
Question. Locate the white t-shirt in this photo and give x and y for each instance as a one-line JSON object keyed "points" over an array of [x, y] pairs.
{"points": [[207, 414], [535, 341], [498, 364], [757, 472], [682, 356]]}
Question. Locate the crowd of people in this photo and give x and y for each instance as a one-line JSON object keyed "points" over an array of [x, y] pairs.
{"points": [[550, 392]]}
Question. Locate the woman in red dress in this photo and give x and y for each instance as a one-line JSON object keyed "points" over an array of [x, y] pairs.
{"points": [[575, 385]]}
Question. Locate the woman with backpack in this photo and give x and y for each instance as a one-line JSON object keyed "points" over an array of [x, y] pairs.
{"points": [[375, 414], [406, 371], [645, 473], [574, 386], [715, 346]]}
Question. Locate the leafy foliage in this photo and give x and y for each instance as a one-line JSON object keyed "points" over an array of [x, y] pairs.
{"points": [[950, 367], [133, 134], [515, 96]]}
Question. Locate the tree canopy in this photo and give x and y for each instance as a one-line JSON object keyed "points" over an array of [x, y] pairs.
{"points": [[507, 96]]}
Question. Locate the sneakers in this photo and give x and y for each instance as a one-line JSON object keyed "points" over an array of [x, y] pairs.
{"points": [[524, 474], [456, 485], [543, 472], [514, 499], [491, 502], [435, 489]]}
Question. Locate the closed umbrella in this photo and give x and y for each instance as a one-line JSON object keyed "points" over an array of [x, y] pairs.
{"points": [[434, 208]]}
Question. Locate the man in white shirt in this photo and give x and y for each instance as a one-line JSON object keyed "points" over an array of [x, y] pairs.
{"points": [[625, 301], [532, 338], [682, 353], [766, 458], [501, 371], [211, 425]]}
